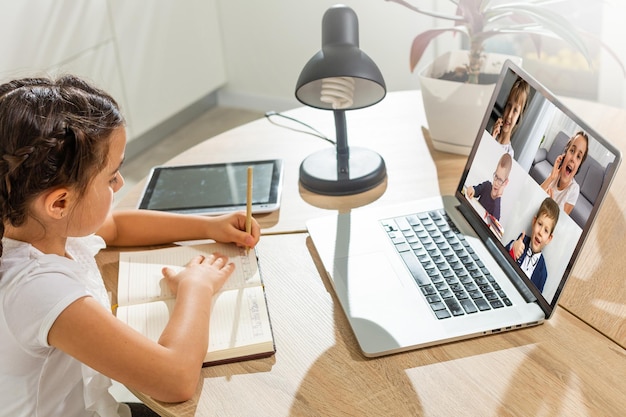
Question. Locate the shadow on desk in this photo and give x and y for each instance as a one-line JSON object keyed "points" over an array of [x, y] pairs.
{"points": [[364, 391], [379, 386], [319, 369], [343, 203], [523, 372]]}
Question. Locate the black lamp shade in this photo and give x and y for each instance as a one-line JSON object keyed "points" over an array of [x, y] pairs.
{"points": [[341, 77], [341, 57]]}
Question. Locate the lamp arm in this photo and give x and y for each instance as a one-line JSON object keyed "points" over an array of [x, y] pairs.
{"points": [[343, 152]]}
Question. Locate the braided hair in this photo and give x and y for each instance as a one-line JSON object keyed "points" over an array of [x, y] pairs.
{"points": [[53, 133]]}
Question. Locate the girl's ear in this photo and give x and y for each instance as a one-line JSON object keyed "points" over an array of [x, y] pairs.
{"points": [[57, 202]]}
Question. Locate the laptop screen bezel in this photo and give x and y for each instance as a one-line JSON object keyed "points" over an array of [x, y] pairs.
{"points": [[483, 229]]}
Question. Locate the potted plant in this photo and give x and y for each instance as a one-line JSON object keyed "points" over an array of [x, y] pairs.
{"points": [[452, 84]]}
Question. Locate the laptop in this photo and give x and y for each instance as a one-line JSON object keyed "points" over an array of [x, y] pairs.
{"points": [[445, 269]]}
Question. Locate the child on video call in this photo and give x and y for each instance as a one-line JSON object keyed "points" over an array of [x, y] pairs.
{"points": [[503, 128], [62, 144], [526, 250], [561, 184], [489, 194]]}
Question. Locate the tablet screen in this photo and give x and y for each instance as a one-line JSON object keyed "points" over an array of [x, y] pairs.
{"points": [[213, 188]]}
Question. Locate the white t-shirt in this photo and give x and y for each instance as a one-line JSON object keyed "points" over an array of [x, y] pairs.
{"points": [[37, 379], [567, 195], [508, 148]]}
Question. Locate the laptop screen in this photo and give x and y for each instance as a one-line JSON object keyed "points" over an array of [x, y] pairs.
{"points": [[534, 182]]}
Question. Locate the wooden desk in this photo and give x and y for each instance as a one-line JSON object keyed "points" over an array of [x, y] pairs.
{"points": [[563, 367], [392, 128]]}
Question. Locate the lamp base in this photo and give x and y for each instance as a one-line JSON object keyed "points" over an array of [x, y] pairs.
{"points": [[318, 172]]}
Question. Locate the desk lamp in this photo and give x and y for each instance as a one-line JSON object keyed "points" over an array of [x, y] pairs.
{"points": [[341, 77]]}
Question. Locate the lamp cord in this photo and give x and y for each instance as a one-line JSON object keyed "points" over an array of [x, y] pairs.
{"points": [[313, 132]]}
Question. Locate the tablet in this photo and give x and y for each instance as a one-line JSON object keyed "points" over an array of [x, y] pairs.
{"points": [[213, 188]]}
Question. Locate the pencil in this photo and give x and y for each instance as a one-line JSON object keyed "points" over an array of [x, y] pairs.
{"points": [[249, 204]]}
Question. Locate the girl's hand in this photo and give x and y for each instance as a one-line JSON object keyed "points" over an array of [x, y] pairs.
{"points": [[556, 168], [552, 179], [497, 127], [231, 228], [211, 271]]}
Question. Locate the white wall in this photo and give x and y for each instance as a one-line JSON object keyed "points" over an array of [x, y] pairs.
{"points": [[612, 89], [43, 37], [156, 57], [267, 43], [170, 55]]}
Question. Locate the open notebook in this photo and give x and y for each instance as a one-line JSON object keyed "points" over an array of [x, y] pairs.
{"points": [[484, 260], [240, 326]]}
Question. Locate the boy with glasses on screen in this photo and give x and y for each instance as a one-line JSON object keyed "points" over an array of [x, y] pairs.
{"points": [[489, 193]]}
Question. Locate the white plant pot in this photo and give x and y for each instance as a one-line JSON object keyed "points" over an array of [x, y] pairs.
{"points": [[455, 110]]}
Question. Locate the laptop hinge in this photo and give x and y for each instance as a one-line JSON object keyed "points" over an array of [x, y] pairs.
{"points": [[510, 271], [500, 258]]}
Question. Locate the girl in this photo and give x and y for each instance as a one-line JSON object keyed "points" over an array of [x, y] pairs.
{"points": [[61, 147], [561, 184], [514, 108]]}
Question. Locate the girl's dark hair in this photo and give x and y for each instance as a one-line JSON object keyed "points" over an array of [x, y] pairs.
{"points": [[53, 133]]}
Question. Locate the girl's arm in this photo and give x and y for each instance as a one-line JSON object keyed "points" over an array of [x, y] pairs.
{"points": [[148, 227], [168, 370]]}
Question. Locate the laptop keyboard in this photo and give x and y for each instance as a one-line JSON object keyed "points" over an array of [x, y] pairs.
{"points": [[451, 277]]}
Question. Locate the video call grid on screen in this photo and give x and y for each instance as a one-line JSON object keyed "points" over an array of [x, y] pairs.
{"points": [[542, 125]]}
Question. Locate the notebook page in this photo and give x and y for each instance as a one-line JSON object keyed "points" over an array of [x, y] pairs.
{"points": [[140, 273]]}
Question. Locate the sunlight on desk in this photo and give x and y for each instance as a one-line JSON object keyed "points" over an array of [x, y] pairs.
{"points": [[608, 307], [457, 375], [564, 367], [511, 368], [344, 203]]}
